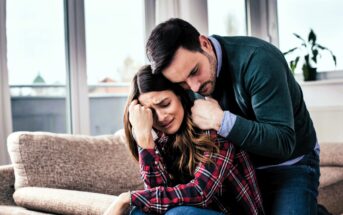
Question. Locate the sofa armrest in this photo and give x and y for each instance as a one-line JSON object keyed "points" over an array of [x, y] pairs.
{"points": [[6, 185], [61, 201]]}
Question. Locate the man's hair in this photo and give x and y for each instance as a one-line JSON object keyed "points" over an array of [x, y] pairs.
{"points": [[165, 40]]}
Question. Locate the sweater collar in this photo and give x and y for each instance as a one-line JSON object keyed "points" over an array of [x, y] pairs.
{"points": [[218, 51]]}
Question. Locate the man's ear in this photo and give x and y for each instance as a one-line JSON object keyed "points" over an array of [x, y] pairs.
{"points": [[205, 43]]}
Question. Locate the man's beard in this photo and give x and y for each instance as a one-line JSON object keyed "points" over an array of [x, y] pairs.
{"points": [[213, 63]]}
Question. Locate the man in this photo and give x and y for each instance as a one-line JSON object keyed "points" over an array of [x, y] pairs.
{"points": [[253, 100]]}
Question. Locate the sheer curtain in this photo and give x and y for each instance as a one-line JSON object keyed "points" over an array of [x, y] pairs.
{"points": [[193, 11]]}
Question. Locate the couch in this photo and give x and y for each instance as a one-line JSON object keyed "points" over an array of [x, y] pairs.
{"points": [[76, 174]]}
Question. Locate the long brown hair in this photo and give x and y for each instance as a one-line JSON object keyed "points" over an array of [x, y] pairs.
{"points": [[190, 146]]}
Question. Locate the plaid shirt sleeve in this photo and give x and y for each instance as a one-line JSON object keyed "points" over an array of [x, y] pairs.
{"points": [[152, 168], [208, 179]]}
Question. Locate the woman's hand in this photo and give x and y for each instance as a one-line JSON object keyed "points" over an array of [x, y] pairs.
{"points": [[120, 206], [141, 120]]}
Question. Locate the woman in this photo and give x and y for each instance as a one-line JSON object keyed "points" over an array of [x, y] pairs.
{"points": [[184, 169]]}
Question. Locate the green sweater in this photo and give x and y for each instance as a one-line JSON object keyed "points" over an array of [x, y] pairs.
{"points": [[255, 83]]}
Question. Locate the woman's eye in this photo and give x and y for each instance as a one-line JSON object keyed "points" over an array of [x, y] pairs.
{"points": [[165, 104]]}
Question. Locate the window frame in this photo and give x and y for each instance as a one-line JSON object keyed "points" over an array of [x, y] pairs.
{"points": [[5, 101], [261, 18], [77, 89]]}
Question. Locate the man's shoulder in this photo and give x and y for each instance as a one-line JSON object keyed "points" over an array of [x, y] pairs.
{"points": [[246, 41]]}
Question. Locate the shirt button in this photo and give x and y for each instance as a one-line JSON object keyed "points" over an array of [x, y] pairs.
{"points": [[156, 152], [156, 162], [145, 209]]}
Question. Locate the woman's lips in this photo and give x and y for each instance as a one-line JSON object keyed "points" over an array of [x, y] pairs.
{"points": [[168, 124]]}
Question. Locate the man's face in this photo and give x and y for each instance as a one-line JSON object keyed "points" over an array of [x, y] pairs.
{"points": [[194, 70]]}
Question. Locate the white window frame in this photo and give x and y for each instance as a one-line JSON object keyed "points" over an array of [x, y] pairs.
{"points": [[271, 29], [262, 20], [5, 100], [77, 98]]}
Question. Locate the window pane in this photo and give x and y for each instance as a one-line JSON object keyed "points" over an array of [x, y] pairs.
{"points": [[226, 17], [115, 51], [323, 16], [37, 66]]}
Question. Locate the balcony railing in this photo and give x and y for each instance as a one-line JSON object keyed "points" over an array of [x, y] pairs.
{"points": [[42, 107]]}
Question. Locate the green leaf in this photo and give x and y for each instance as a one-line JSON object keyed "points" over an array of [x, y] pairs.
{"points": [[334, 59], [312, 37], [324, 48], [315, 54], [289, 51], [293, 64], [299, 37], [307, 59], [296, 61], [321, 47]]}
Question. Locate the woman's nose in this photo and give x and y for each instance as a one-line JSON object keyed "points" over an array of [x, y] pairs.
{"points": [[161, 115]]}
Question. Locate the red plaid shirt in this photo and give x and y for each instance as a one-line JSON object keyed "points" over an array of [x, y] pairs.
{"points": [[229, 185]]}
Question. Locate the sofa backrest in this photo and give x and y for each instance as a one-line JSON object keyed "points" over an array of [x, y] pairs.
{"points": [[99, 164]]}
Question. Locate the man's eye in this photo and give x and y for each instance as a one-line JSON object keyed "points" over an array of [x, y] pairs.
{"points": [[194, 71]]}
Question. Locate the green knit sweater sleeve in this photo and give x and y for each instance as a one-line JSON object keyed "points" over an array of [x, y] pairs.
{"points": [[272, 133]]}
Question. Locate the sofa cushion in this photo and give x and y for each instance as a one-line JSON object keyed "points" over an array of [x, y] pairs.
{"points": [[331, 154], [331, 196], [330, 175], [100, 164], [61, 201], [16, 210], [6, 185]]}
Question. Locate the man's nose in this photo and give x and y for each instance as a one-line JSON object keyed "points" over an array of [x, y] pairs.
{"points": [[194, 85]]}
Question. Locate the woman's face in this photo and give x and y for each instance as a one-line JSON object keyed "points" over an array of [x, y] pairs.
{"points": [[167, 110]]}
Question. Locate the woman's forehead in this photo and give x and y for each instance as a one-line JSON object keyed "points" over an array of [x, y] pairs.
{"points": [[154, 97]]}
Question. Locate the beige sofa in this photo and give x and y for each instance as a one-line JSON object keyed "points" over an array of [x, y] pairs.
{"points": [[75, 174]]}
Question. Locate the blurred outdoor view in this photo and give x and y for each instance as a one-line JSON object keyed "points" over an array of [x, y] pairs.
{"points": [[115, 41]]}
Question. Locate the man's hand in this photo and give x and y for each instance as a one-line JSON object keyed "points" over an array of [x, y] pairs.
{"points": [[207, 114], [141, 120], [120, 206]]}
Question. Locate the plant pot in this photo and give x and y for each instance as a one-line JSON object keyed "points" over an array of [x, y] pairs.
{"points": [[310, 73]]}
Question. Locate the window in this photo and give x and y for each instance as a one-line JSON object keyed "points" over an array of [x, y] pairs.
{"points": [[323, 16], [227, 17], [37, 64], [115, 51]]}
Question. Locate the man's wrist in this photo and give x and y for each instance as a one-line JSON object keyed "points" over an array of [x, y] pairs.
{"points": [[218, 120], [227, 124]]}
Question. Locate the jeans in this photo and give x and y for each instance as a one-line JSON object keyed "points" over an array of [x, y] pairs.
{"points": [[183, 210], [288, 190]]}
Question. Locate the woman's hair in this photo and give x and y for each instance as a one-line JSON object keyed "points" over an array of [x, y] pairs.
{"points": [[189, 147]]}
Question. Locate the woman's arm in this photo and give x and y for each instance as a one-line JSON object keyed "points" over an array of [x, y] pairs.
{"points": [[208, 178], [152, 168]]}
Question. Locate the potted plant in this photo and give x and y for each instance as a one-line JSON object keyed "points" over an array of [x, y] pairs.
{"points": [[309, 51]]}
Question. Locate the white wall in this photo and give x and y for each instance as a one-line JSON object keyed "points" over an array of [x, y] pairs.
{"points": [[324, 100]]}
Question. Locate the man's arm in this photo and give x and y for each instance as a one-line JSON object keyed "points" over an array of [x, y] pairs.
{"points": [[272, 132], [264, 80]]}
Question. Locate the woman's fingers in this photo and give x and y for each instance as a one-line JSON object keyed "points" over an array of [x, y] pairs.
{"points": [[132, 105]]}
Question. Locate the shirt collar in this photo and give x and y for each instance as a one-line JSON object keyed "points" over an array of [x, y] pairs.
{"points": [[219, 54]]}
